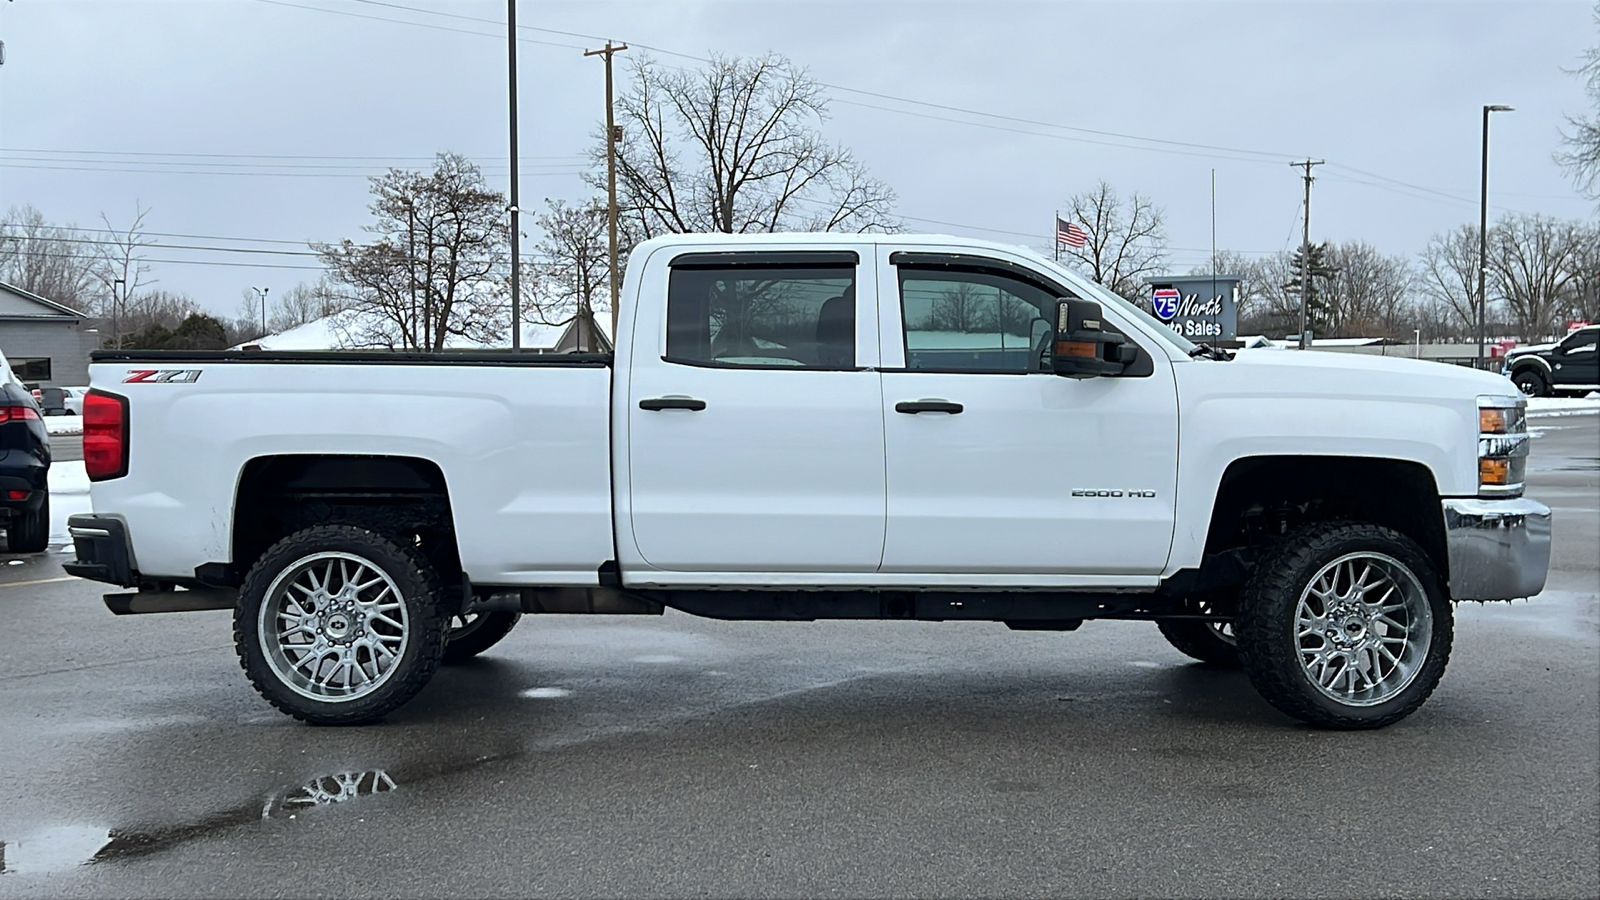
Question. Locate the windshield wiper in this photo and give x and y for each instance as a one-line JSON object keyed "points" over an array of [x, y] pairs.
{"points": [[1210, 352]]}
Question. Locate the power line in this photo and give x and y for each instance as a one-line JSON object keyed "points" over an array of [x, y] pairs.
{"points": [[120, 169], [569, 158]]}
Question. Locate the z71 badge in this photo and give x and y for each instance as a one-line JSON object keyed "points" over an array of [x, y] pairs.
{"points": [[162, 376]]}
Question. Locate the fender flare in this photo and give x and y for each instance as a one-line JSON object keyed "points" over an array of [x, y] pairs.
{"points": [[1528, 360]]}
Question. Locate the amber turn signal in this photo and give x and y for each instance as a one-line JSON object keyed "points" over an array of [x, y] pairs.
{"points": [[1491, 420], [1494, 472], [1088, 349]]}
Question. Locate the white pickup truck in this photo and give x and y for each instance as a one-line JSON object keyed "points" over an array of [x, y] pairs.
{"points": [[801, 427]]}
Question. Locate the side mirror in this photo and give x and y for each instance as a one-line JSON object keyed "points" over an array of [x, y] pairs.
{"points": [[1084, 349]]}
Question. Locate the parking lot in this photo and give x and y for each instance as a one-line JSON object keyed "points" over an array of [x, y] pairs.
{"points": [[591, 756]]}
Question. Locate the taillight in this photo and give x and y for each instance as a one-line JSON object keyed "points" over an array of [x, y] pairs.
{"points": [[17, 413], [105, 435]]}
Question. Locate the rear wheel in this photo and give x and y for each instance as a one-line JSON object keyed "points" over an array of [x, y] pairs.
{"points": [[1345, 626], [337, 625], [471, 633], [29, 532], [1209, 642], [1531, 382]]}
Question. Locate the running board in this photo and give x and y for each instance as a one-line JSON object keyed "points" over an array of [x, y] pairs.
{"points": [[144, 602]]}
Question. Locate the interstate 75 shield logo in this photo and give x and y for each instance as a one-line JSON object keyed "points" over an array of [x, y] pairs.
{"points": [[1165, 300]]}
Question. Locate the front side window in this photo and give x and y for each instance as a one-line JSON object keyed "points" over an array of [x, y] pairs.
{"points": [[1581, 343], [974, 321], [775, 316]]}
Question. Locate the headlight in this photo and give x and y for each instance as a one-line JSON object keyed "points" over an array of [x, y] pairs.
{"points": [[1502, 445]]}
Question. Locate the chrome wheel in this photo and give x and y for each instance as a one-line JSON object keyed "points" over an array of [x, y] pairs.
{"points": [[333, 626], [1363, 626]]}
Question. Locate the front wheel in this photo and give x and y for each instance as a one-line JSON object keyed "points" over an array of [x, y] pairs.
{"points": [[1345, 626], [1531, 383], [337, 625]]}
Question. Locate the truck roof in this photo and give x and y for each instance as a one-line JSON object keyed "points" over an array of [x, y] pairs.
{"points": [[831, 238]]}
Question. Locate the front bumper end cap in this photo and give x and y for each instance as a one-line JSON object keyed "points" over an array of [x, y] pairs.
{"points": [[1498, 549]]}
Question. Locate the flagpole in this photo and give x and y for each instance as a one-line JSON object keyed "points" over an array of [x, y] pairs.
{"points": [[1057, 234]]}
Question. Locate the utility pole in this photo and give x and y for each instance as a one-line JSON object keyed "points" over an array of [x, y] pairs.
{"points": [[516, 260], [612, 134], [1305, 251]]}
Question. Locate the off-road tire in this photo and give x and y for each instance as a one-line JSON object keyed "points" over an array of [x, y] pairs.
{"points": [[418, 590], [462, 642], [1531, 382], [29, 532], [1198, 640], [1270, 649]]}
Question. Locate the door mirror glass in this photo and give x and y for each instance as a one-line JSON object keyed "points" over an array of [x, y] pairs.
{"points": [[1083, 346]]}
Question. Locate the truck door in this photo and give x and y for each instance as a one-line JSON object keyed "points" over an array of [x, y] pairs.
{"points": [[1576, 362], [754, 415], [996, 466]]}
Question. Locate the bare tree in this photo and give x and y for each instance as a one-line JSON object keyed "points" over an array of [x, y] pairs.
{"points": [[55, 262], [436, 268], [1127, 240], [1581, 158], [1368, 294], [122, 269], [575, 266], [1534, 262], [1449, 275], [1257, 285], [735, 147]]}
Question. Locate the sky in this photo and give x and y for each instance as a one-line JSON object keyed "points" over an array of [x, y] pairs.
{"points": [[249, 127]]}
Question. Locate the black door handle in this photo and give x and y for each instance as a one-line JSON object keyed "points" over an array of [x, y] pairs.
{"points": [[921, 406], [660, 403]]}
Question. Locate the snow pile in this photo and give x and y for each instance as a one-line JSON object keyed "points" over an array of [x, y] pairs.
{"points": [[1564, 406], [63, 424]]}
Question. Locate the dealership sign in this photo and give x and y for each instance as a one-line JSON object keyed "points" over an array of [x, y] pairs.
{"points": [[1199, 307]]}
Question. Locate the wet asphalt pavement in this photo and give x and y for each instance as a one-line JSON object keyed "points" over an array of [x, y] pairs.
{"points": [[675, 756]]}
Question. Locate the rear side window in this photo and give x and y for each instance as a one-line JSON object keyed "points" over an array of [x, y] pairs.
{"points": [[762, 316]]}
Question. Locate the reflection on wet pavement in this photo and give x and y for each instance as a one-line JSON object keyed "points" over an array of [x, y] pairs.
{"points": [[66, 847]]}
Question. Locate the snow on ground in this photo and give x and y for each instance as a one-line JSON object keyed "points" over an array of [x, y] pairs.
{"points": [[1565, 406], [69, 496], [63, 424]]}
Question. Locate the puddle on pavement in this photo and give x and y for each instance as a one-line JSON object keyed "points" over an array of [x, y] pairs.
{"points": [[62, 848], [545, 693]]}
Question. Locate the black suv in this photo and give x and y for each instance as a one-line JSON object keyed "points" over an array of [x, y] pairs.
{"points": [[1572, 366], [24, 470]]}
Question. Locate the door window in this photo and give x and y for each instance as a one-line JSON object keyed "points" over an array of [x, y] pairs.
{"points": [[1580, 343], [974, 321], [762, 317]]}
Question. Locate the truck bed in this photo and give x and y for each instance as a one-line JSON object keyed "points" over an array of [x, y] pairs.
{"points": [[521, 441]]}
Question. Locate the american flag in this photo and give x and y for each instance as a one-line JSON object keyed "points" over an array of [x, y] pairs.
{"points": [[1070, 234]]}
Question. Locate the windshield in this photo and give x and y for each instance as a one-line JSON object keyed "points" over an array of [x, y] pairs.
{"points": [[1107, 297]]}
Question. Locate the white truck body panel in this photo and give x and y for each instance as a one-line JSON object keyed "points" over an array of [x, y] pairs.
{"points": [[521, 448], [792, 478]]}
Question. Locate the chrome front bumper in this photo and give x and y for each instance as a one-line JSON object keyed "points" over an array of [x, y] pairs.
{"points": [[1499, 549]]}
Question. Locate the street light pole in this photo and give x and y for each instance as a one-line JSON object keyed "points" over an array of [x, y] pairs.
{"points": [[1483, 228], [516, 249], [116, 313], [262, 293]]}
